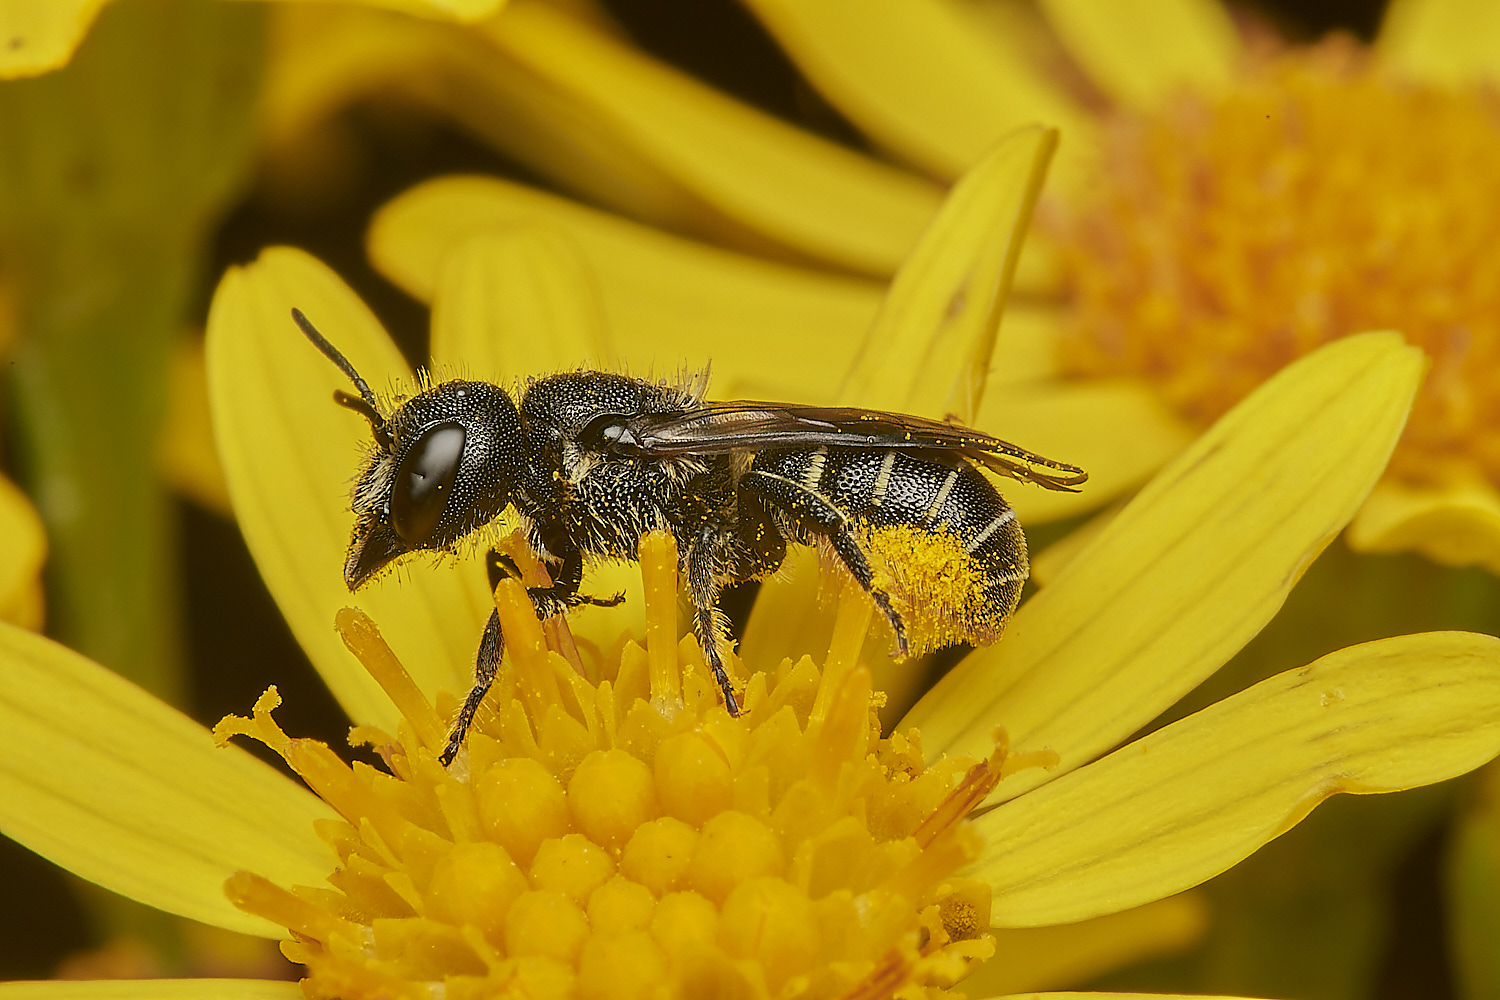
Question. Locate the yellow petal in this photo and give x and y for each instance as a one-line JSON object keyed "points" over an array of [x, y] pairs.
{"points": [[750, 171], [1048, 564], [1140, 51], [516, 303], [1039, 957], [37, 37], [153, 989], [1026, 349], [1187, 802], [1119, 431], [187, 457], [667, 301], [22, 552], [924, 79], [1196, 564], [1457, 524], [460, 10], [1447, 43], [289, 454], [930, 349], [117, 787], [521, 302]]}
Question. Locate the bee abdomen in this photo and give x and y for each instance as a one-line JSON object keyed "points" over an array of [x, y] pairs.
{"points": [[941, 541]]}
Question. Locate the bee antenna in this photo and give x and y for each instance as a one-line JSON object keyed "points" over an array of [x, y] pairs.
{"points": [[365, 404]]}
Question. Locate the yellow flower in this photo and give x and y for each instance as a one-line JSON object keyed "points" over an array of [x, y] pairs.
{"points": [[1234, 205], [612, 829], [40, 35]]}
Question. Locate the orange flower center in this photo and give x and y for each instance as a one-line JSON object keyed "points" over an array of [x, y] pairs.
{"points": [[1319, 198]]}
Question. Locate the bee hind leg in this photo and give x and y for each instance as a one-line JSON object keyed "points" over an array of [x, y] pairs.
{"points": [[812, 513], [703, 565]]}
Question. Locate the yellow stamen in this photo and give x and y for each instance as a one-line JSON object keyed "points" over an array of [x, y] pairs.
{"points": [[659, 576], [850, 626], [362, 638], [526, 647], [626, 838]]}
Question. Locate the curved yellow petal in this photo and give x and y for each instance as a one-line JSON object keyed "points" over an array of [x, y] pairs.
{"points": [[521, 302], [37, 37], [1194, 798], [1120, 432], [22, 553], [1457, 524], [459, 10], [1047, 564], [289, 455], [1140, 51], [930, 349], [125, 791], [1192, 568], [152, 989], [1447, 43], [187, 456], [323, 57], [1027, 348], [516, 303], [667, 301], [924, 79], [1040, 957], [750, 171]]}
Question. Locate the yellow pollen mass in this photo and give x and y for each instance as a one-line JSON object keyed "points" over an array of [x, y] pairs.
{"points": [[626, 838], [1318, 197]]}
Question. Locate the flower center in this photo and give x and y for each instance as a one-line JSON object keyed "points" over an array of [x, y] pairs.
{"points": [[1319, 198], [625, 837]]}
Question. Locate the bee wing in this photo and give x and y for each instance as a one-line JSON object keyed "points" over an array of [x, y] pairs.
{"points": [[745, 425]]}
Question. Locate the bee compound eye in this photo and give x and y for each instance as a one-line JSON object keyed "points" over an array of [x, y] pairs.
{"points": [[424, 481]]}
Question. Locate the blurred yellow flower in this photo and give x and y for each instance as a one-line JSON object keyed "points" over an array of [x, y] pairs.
{"points": [[40, 35], [611, 830], [1235, 204]]}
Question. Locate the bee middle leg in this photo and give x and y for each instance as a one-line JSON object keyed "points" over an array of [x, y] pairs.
{"points": [[814, 514], [486, 666]]}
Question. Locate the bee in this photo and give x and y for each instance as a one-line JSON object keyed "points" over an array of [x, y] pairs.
{"points": [[593, 460]]}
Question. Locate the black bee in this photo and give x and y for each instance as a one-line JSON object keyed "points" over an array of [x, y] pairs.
{"points": [[593, 460]]}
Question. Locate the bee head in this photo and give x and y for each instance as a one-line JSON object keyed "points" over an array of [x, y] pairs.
{"points": [[445, 463]]}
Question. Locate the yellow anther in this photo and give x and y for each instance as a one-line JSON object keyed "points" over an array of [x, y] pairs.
{"points": [[611, 794], [692, 778], [545, 923], [659, 853], [521, 805], [734, 847], [571, 864]]}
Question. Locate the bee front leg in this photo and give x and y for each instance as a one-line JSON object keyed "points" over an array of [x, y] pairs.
{"points": [[703, 571], [486, 666]]}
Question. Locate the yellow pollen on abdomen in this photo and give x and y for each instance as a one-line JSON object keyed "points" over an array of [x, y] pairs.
{"points": [[1317, 198]]}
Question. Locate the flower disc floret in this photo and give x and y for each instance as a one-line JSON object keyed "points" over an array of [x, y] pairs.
{"points": [[628, 838]]}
